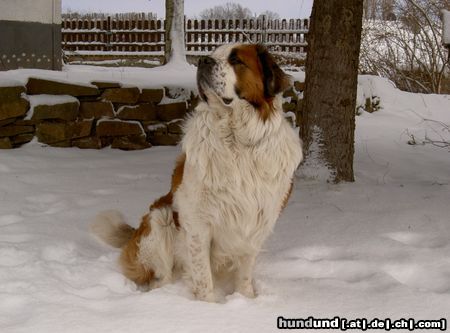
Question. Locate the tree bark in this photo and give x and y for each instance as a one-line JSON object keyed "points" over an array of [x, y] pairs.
{"points": [[331, 82]]}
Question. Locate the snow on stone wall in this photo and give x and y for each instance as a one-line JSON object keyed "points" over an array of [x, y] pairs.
{"points": [[62, 114], [100, 114]]}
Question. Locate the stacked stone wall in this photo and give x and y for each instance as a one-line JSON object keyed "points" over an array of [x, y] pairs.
{"points": [[102, 114]]}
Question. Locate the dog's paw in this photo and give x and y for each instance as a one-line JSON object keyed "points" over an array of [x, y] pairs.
{"points": [[158, 283], [206, 297], [246, 290]]}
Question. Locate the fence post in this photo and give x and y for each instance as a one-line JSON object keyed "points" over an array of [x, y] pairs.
{"points": [[108, 34], [264, 29], [185, 32]]}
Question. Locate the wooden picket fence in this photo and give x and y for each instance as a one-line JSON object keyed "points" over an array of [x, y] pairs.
{"points": [[144, 34]]}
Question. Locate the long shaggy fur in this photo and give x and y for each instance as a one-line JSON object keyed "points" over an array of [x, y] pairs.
{"points": [[228, 187], [110, 227]]}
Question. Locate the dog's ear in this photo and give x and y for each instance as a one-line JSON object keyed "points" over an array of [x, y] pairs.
{"points": [[274, 79]]}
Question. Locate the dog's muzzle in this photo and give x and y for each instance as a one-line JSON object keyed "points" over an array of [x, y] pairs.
{"points": [[205, 81]]}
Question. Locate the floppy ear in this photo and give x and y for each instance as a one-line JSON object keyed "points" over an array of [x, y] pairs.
{"points": [[274, 79]]}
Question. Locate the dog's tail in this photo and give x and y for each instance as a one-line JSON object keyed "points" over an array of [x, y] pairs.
{"points": [[111, 228]]}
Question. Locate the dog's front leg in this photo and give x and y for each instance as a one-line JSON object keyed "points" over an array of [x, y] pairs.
{"points": [[199, 243], [244, 276]]}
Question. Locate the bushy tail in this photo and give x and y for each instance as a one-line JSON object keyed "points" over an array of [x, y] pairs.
{"points": [[111, 228]]}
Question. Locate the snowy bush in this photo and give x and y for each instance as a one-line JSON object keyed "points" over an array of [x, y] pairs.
{"points": [[408, 51]]}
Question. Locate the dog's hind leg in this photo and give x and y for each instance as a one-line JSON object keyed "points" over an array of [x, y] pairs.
{"points": [[148, 258], [130, 261], [157, 248]]}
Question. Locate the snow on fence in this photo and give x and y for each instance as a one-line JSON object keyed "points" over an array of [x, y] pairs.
{"points": [[138, 33]]}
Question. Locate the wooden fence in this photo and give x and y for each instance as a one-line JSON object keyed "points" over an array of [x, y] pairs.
{"points": [[142, 33]]}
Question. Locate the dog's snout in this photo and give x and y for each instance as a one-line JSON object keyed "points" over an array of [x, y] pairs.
{"points": [[206, 61]]}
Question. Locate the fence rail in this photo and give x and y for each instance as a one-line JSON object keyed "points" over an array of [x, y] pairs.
{"points": [[103, 34]]}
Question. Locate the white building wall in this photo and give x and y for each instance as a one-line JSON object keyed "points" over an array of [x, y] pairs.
{"points": [[30, 34], [41, 11]]}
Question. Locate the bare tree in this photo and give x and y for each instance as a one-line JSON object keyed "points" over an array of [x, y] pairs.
{"points": [[229, 10], [269, 15], [174, 48], [328, 122], [408, 51], [379, 9]]}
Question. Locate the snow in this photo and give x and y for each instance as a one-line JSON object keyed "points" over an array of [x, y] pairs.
{"points": [[10, 83], [446, 26], [422, 115], [114, 62], [156, 126], [378, 247], [123, 107], [174, 74], [296, 74], [183, 97], [290, 114], [109, 120], [129, 76], [314, 166]]}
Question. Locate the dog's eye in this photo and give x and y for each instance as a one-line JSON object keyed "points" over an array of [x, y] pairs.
{"points": [[234, 59]]}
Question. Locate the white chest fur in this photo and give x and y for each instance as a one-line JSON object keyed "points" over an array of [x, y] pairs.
{"points": [[238, 170]]}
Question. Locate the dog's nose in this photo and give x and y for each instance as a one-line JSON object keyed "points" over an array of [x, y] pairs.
{"points": [[205, 60]]}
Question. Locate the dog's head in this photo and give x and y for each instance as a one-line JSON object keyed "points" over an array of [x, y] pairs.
{"points": [[242, 71]]}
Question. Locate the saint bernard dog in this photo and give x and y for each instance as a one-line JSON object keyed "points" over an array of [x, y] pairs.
{"points": [[229, 185]]}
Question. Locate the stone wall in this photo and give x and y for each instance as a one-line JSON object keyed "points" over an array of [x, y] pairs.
{"points": [[102, 114]]}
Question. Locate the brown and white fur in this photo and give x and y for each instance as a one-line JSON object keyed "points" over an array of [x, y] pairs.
{"points": [[229, 185]]}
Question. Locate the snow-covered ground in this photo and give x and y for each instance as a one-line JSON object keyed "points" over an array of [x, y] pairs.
{"points": [[379, 247]]}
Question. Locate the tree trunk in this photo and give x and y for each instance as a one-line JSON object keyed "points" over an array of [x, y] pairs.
{"points": [[331, 81], [174, 48], [366, 10]]}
